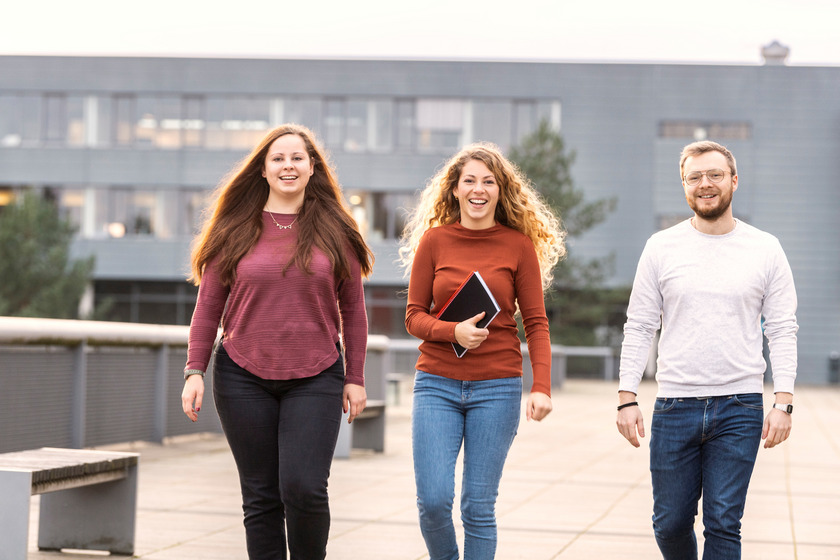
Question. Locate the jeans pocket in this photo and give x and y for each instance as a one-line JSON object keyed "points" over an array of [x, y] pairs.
{"points": [[753, 401], [663, 405]]}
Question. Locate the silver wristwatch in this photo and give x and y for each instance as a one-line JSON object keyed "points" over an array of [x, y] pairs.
{"points": [[785, 407]]}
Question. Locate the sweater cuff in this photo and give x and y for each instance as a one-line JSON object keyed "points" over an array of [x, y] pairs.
{"points": [[783, 384]]}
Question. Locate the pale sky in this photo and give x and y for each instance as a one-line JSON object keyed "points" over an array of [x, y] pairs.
{"points": [[710, 31]]}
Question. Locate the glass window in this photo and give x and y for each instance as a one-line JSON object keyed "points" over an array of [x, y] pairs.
{"points": [[524, 119], [549, 111], [699, 130], [247, 119], [158, 122], [30, 119], [214, 119], [390, 211], [141, 213], [122, 212], [100, 113], [76, 132], [147, 302], [123, 120], [71, 204], [165, 214], [20, 120], [9, 134], [380, 125], [64, 120], [333, 123], [492, 122], [305, 111], [54, 118], [386, 310], [7, 196], [440, 123], [356, 126], [236, 123], [193, 122], [192, 206], [405, 124]]}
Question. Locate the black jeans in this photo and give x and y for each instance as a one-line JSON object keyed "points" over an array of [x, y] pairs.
{"points": [[282, 435]]}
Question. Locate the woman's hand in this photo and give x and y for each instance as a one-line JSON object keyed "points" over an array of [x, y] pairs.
{"points": [[353, 400], [537, 406], [468, 335], [192, 395]]}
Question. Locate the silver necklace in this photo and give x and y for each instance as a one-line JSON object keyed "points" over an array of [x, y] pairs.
{"points": [[278, 225]]}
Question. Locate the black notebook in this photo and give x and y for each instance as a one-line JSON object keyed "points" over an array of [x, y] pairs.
{"points": [[471, 298]]}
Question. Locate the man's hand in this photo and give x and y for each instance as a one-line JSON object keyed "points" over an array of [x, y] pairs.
{"points": [[629, 420], [778, 423]]}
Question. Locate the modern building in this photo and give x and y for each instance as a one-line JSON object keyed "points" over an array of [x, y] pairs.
{"points": [[131, 148]]}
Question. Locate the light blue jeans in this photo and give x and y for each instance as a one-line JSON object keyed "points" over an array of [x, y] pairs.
{"points": [[484, 416], [703, 446]]}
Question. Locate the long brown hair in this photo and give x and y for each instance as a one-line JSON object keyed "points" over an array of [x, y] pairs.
{"points": [[235, 223], [520, 207]]}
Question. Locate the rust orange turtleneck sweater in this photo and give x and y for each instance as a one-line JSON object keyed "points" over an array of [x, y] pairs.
{"points": [[508, 263]]}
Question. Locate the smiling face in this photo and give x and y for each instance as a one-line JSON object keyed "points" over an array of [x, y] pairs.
{"points": [[710, 201], [477, 192], [287, 169]]}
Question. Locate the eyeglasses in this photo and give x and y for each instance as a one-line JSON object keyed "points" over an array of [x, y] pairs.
{"points": [[714, 175]]}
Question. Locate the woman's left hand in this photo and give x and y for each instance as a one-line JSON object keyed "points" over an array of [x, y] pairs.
{"points": [[538, 406], [354, 400]]}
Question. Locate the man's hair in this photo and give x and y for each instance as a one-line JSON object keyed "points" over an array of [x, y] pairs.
{"points": [[705, 146]]}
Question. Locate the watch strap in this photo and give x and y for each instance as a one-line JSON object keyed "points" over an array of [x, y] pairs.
{"points": [[784, 407]]}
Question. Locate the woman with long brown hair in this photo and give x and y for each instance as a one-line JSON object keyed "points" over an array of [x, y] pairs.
{"points": [[478, 213], [280, 264]]}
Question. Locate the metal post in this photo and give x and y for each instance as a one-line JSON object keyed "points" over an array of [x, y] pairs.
{"points": [[79, 406], [161, 389]]}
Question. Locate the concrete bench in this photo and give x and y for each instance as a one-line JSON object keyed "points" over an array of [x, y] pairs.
{"points": [[366, 432], [88, 502]]}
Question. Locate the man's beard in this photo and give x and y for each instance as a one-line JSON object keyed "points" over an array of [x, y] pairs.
{"points": [[725, 201]]}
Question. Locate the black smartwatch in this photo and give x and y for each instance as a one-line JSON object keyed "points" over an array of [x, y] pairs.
{"points": [[785, 407]]}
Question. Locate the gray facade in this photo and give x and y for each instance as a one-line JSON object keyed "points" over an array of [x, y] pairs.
{"points": [[156, 134]]}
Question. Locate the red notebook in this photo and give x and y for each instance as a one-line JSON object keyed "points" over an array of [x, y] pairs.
{"points": [[471, 298]]}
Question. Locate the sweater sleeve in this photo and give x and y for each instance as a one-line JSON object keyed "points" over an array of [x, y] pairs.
{"points": [[644, 313], [204, 326], [780, 325], [531, 300], [418, 321], [354, 326]]}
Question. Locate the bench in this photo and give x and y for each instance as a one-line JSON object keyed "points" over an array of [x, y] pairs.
{"points": [[366, 432], [88, 500]]}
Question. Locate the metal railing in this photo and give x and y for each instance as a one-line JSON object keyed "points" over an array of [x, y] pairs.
{"points": [[66, 383]]}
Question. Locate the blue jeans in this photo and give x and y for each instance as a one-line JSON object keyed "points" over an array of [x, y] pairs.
{"points": [[282, 435], [702, 446], [484, 416]]}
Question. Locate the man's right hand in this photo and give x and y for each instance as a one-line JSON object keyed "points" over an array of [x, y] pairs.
{"points": [[629, 421]]}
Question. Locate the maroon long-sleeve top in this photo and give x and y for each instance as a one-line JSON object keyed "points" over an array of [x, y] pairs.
{"points": [[281, 325]]}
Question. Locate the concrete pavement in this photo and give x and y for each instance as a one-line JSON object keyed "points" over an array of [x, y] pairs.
{"points": [[573, 489]]}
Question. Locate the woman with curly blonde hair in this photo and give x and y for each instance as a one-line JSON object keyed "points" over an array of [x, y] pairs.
{"points": [[478, 213]]}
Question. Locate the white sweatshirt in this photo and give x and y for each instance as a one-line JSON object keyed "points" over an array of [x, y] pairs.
{"points": [[709, 293]]}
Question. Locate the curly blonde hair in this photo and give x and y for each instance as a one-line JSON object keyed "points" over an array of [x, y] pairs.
{"points": [[520, 207]]}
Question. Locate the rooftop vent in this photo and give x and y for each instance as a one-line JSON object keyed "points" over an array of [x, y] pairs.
{"points": [[775, 54]]}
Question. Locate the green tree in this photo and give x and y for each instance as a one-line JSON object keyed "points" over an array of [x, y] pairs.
{"points": [[581, 311], [38, 278]]}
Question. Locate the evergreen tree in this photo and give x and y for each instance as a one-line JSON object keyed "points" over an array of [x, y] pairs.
{"points": [[38, 278], [581, 311]]}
